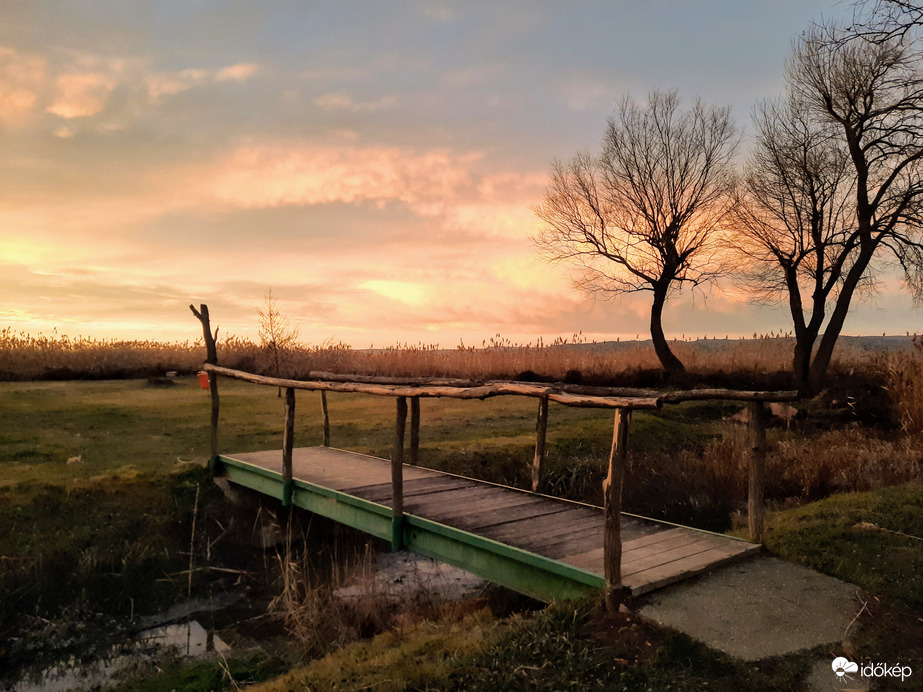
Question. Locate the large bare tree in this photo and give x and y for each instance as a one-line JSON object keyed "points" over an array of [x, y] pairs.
{"points": [[885, 20], [836, 183], [794, 219], [645, 214]]}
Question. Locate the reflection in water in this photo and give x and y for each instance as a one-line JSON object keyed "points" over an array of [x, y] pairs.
{"points": [[184, 639], [189, 639]]}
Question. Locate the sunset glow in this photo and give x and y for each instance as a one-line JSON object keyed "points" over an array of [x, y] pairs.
{"points": [[374, 165]]}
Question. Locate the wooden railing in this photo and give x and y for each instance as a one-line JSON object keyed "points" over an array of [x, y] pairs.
{"points": [[622, 400]]}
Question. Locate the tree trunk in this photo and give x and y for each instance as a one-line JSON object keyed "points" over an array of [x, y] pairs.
{"points": [[671, 364], [824, 353], [801, 360]]}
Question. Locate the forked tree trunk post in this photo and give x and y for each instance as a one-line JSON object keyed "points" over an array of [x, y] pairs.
{"points": [[755, 504], [612, 490], [288, 444], [397, 476], [414, 430], [211, 356], [541, 428], [323, 406]]}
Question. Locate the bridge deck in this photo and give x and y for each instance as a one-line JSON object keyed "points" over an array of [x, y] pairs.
{"points": [[654, 553]]}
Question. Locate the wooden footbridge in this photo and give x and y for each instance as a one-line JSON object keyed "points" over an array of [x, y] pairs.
{"points": [[546, 547]]}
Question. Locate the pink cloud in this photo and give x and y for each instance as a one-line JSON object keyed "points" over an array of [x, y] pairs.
{"points": [[257, 176], [20, 76], [340, 100], [82, 94]]}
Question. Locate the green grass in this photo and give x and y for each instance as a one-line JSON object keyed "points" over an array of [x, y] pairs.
{"points": [[566, 646], [120, 427], [872, 539], [203, 676]]}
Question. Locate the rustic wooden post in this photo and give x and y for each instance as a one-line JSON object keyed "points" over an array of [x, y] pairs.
{"points": [[211, 356], [323, 406], [414, 429], [541, 428], [397, 476], [755, 505], [288, 443], [612, 491]]}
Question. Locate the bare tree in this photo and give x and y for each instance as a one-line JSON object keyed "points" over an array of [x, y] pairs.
{"points": [[278, 336], [793, 219], [886, 20], [858, 102], [646, 214]]}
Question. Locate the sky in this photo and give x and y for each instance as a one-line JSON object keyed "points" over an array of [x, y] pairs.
{"points": [[374, 164]]}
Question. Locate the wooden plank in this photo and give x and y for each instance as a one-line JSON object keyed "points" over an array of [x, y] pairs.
{"points": [[594, 556], [452, 498], [671, 544], [679, 553], [664, 535], [591, 560], [559, 544], [412, 488], [567, 517], [546, 527], [568, 545], [526, 511], [491, 503], [326, 464], [662, 575]]}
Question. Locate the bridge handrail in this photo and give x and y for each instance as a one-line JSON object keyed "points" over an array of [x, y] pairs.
{"points": [[567, 394]]}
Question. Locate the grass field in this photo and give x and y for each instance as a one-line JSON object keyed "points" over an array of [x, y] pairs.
{"points": [[100, 482]]}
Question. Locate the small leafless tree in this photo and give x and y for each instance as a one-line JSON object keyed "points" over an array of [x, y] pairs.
{"points": [[836, 184], [278, 336], [646, 214]]}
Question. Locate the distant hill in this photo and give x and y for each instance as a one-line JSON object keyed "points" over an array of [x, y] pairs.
{"points": [[864, 343]]}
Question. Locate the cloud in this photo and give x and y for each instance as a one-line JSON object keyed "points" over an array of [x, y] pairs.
{"points": [[172, 83], [240, 72], [268, 175], [20, 76], [340, 100], [82, 94], [81, 85]]}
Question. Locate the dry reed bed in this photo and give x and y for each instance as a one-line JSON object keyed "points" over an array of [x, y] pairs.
{"points": [[24, 357], [900, 372]]}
